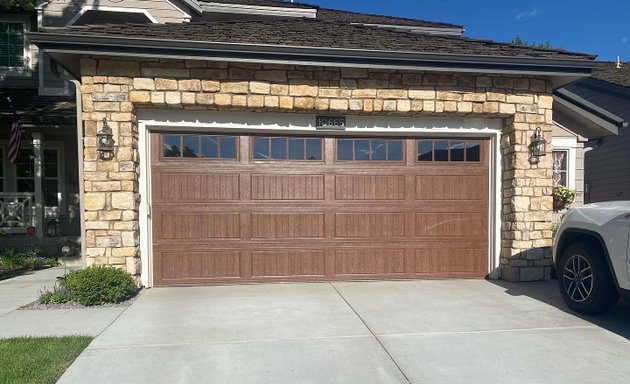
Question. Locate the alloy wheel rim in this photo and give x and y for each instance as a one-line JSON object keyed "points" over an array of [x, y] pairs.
{"points": [[577, 278]]}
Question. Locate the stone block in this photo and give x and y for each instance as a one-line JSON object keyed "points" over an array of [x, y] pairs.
{"points": [[140, 96], [304, 103], [190, 85], [123, 200], [339, 105], [256, 101], [210, 86], [108, 241], [235, 87], [223, 99], [303, 90], [94, 201], [143, 83], [204, 98], [259, 87]]}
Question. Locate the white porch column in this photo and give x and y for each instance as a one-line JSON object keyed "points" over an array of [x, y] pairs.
{"points": [[39, 196]]}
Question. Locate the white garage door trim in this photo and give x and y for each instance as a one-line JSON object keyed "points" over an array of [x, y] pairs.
{"points": [[291, 123]]}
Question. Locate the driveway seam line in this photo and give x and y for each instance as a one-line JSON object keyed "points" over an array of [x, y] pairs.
{"points": [[110, 324], [378, 340]]}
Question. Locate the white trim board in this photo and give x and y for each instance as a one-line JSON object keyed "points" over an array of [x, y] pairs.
{"points": [[250, 122], [97, 7]]}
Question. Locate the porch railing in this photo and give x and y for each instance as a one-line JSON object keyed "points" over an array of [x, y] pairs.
{"points": [[17, 211]]}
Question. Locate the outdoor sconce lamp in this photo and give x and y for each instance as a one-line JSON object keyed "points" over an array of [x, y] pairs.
{"points": [[105, 141], [538, 146]]}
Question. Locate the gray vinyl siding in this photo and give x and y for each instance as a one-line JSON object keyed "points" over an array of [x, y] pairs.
{"points": [[607, 168], [57, 14]]}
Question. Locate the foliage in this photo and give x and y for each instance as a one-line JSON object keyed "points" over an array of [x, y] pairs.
{"points": [[27, 5], [92, 286], [56, 296], [518, 41], [13, 259], [563, 195], [38, 360]]}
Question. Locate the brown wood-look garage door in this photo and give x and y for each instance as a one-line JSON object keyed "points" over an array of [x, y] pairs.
{"points": [[255, 208]]}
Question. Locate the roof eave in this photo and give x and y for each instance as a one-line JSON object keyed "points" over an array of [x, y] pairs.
{"points": [[324, 56]]}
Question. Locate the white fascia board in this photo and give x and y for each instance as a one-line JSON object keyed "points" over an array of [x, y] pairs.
{"points": [[186, 15], [97, 7], [310, 13]]}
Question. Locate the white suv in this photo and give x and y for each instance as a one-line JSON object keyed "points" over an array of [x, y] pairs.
{"points": [[592, 256]]}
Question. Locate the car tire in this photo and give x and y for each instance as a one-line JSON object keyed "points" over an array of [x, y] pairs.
{"points": [[585, 281]]}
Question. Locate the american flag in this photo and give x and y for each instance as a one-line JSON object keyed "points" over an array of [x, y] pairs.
{"points": [[15, 136]]}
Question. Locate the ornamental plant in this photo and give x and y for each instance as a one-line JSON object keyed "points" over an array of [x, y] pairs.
{"points": [[562, 196], [93, 285]]}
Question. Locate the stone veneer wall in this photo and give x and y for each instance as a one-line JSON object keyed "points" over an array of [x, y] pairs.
{"points": [[113, 89]]}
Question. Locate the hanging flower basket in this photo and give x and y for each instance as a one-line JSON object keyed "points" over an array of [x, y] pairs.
{"points": [[562, 197]]}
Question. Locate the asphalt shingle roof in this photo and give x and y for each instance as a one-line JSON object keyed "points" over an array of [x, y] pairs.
{"points": [[363, 18], [612, 74], [315, 33], [341, 16]]}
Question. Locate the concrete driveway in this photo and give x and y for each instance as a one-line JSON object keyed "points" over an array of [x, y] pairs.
{"points": [[459, 331]]}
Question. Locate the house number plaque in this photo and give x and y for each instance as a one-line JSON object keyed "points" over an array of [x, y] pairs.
{"points": [[330, 122]]}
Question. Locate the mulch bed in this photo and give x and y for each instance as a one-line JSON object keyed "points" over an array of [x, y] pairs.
{"points": [[35, 305]]}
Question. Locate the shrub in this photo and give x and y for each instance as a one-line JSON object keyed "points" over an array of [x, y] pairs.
{"points": [[11, 258], [55, 297], [99, 285]]}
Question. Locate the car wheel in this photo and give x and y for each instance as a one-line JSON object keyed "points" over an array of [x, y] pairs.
{"points": [[585, 281]]}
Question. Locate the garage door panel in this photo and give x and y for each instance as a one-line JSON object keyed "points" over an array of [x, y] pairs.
{"points": [[443, 261], [287, 225], [450, 225], [293, 263], [370, 225], [370, 187], [287, 187], [218, 264], [176, 226], [456, 187], [366, 262], [199, 187]]}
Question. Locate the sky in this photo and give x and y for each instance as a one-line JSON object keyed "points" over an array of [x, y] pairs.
{"points": [[600, 27]]}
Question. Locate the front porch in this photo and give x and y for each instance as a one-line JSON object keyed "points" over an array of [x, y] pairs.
{"points": [[39, 193]]}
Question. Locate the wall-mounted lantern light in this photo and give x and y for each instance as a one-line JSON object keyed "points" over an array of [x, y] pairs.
{"points": [[105, 141], [538, 146]]}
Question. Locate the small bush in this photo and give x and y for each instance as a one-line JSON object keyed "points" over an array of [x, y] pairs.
{"points": [[11, 258], [55, 297], [99, 285]]}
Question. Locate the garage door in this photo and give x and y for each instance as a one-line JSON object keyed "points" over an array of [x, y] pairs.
{"points": [[269, 208]]}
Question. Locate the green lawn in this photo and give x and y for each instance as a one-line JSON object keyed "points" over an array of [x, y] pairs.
{"points": [[38, 360]]}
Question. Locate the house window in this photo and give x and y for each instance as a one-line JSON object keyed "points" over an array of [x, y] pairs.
{"points": [[1, 170], [560, 167], [50, 179], [449, 150], [12, 45], [25, 171], [200, 146], [369, 150], [283, 148], [25, 175]]}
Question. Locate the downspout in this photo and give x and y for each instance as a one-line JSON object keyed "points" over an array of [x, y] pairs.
{"points": [[77, 88]]}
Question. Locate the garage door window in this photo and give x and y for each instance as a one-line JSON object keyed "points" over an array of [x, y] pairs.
{"points": [[448, 151], [282, 148], [369, 150], [200, 146]]}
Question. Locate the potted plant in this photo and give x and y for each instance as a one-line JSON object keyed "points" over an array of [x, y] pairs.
{"points": [[562, 196]]}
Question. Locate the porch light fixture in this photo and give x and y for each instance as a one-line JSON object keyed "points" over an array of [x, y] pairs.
{"points": [[538, 146], [105, 141]]}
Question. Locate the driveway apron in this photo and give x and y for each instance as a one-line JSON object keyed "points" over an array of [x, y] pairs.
{"points": [[457, 331]]}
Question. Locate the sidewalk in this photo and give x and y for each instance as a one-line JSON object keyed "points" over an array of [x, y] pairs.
{"points": [[22, 290]]}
